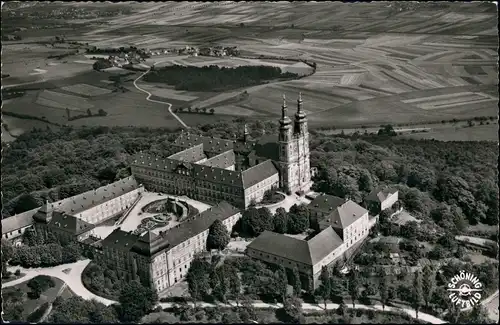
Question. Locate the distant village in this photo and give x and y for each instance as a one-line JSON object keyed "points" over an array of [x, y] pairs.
{"points": [[132, 55]]}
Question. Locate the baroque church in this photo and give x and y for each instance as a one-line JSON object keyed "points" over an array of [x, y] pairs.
{"points": [[238, 171]]}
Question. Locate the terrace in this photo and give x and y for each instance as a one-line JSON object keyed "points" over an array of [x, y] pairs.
{"points": [[152, 213]]}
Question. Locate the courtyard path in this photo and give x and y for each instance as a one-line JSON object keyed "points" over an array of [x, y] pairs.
{"points": [[157, 101], [73, 278]]}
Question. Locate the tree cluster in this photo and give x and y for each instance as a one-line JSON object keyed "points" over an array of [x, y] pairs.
{"points": [[78, 310], [44, 252], [458, 179], [52, 165], [103, 280], [256, 220], [214, 78], [101, 64]]}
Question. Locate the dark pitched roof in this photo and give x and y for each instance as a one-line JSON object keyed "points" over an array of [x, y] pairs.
{"points": [[199, 223], [90, 199], [380, 194], [325, 203], [268, 147], [258, 173], [211, 145], [119, 239], [308, 252], [72, 205], [69, 223], [344, 215], [223, 160], [323, 244], [149, 243], [192, 154], [18, 221], [281, 245], [217, 175], [198, 171]]}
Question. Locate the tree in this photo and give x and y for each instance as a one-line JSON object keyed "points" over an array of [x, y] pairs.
{"points": [[221, 285], [218, 236], [298, 219], [198, 279], [387, 130], [293, 310], [296, 283], [281, 281], [417, 292], [383, 289], [280, 220], [212, 111], [353, 287], [255, 221], [479, 315], [102, 112], [7, 251], [39, 284], [230, 318], [428, 284], [325, 288], [136, 301], [89, 112], [409, 230], [235, 285]]}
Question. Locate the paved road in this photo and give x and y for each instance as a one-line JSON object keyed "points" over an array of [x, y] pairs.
{"points": [[157, 101], [74, 281]]}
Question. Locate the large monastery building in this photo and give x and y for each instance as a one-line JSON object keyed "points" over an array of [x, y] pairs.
{"points": [[238, 171]]}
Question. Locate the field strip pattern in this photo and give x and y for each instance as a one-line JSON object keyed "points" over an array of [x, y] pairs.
{"points": [[62, 101], [449, 100], [86, 90]]}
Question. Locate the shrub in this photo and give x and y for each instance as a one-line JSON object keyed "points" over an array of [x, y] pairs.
{"points": [[18, 272]]}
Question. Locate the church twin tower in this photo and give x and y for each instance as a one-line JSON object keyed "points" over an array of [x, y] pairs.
{"points": [[294, 150]]}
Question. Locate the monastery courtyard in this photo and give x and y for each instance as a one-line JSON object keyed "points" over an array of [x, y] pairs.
{"points": [[136, 215]]}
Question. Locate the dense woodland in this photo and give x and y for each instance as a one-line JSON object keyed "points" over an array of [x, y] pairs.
{"points": [[214, 78], [447, 182]]}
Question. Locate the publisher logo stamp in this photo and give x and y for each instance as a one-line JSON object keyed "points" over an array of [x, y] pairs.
{"points": [[465, 290]]}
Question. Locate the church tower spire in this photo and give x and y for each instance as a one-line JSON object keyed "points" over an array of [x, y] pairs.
{"points": [[285, 120], [300, 125], [246, 134]]}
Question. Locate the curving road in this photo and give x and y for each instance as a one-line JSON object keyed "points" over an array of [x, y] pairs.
{"points": [[157, 101], [73, 279]]}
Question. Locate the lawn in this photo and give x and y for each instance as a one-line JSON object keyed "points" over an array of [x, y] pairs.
{"points": [[29, 305]]}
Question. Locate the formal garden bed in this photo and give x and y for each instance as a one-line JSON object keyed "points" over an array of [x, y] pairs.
{"points": [[156, 221]]}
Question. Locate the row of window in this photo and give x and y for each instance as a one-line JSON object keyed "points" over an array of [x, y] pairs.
{"points": [[205, 186]]}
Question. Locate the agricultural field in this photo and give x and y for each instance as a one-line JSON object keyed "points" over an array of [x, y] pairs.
{"points": [[475, 133], [405, 64], [86, 90]]}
